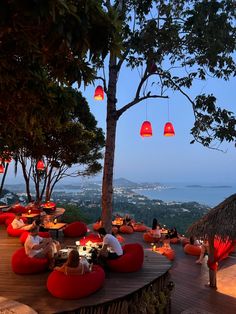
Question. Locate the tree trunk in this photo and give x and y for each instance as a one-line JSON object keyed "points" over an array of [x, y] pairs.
{"points": [[212, 273], [27, 180], [3, 178], [107, 183]]}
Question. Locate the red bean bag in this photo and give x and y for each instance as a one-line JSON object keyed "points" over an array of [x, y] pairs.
{"points": [[75, 229], [25, 234], [6, 216], [192, 249], [23, 264], [18, 209], [14, 232], [147, 237], [96, 226], [140, 228], [120, 238], [75, 286], [91, 237], [126, 229], [184, 241], [167, 252], [174, 240], [130, 261], [10, 220], [115, 230]]}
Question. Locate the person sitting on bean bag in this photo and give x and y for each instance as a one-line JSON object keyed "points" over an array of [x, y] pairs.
{"points": [[75, 265], [111, 248], [38, 247], [155, 231], [18, 223], [173, 233]]}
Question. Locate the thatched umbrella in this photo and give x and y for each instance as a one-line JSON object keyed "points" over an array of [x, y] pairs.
{"points": [[220, 221]]}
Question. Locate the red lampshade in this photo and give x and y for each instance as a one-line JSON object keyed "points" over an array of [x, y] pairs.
{"points": [[40, 165], [1, 168], [8, 160], [99, 93], [146, 129], [169, 129]]}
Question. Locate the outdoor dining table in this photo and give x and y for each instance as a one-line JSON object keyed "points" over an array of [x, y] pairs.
{"points": [[55, 227]]}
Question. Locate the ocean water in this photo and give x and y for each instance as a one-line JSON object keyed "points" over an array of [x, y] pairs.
{"points": [[210, 195]]}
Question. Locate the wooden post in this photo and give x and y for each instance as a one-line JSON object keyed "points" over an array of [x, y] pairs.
{"points": [[212, 273]]}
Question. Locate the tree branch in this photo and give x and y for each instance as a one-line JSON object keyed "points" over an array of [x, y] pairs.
{"points": [[136, 101]]}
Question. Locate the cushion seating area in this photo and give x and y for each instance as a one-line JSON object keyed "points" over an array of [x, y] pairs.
{"points": [[174, 240], [14, 232], [75, 286], [126, 229], [18, 209], [23, 264], [96, 226], [5, 216], [192, 249], [184, 241], [167, 252], [140, 227], [25, 234], [75, 229], [147, 237], [91, 237], [130, 261]]}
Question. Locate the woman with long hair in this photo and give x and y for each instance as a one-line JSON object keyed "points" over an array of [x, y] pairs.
{"points": [[75, 265]]}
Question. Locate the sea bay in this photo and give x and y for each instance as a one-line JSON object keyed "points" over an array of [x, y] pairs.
{"points": [[210, 195]]}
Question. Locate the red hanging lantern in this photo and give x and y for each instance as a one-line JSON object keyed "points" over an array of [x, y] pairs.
{"points": [[99, 93], [8, 160], [169, 129], [40, 165], [1, 168], [146, 129]]}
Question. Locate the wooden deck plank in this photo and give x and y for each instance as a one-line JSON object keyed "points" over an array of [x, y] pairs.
{"points": [[31, 289], [189, 278]]}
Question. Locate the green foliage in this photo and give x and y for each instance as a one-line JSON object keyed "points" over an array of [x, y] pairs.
{"points": [[73, 213], [185, 40]]}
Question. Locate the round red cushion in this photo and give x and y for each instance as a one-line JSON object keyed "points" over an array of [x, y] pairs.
{"points": [[25, 234], [75, 286], [75, 229], [130, 261], [126, 229], [96, 226], [91, 237], [147, 237], [192, 249], [23, 264], [6, 216], [14, 232], [18, 209], [174, 240], [140, 228]]}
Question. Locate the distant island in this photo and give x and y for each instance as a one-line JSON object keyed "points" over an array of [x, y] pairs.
{"points": [[209, 186]]}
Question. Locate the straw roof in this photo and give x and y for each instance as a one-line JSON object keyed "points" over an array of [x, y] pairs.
{"points": [[220, 220]]}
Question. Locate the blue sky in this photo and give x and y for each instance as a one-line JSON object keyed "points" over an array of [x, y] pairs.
{"points": [[159, 158], [168, 159]]}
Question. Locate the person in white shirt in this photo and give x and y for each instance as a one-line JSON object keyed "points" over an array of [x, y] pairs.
{"points": [[38, 247], [111, 248], [18, 223]]}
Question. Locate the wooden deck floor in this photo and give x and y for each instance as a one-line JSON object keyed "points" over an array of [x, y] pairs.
{"points": [[189, 296], [31, 289], [190, 291]]}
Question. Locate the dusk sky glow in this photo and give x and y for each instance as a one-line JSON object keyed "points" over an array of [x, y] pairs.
{"points": [[163, 159]]}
